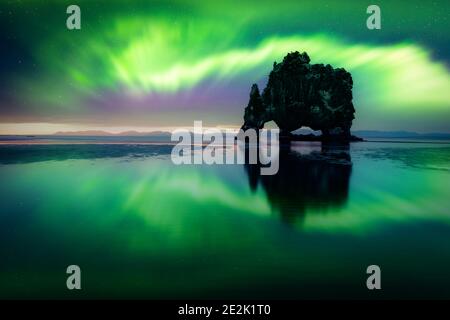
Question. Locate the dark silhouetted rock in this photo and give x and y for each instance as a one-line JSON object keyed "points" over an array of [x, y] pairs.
{"points": [[305, 183], [299, 94]]}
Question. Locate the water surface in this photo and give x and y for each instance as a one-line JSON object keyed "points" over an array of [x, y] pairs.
{"points": [[141, 227]]}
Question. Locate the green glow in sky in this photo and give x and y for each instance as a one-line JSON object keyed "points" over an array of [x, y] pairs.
{"points": [[131, 65]]}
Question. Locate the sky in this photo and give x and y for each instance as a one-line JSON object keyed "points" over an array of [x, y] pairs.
{"points": [[152, 65]]}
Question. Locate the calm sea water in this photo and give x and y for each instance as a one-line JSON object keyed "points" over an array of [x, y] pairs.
{"points": [[141, 227]]}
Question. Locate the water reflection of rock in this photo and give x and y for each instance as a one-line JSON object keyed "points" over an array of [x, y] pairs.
{"points": [[309, 177]]}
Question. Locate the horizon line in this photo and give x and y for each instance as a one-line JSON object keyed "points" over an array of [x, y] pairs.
{"points": [[131, 133], [46, 128]]}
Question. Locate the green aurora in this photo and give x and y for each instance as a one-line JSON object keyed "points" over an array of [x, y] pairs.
{"points": [[162, 64]]}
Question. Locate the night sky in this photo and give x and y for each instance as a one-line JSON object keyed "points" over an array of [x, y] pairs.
{"points": [[150, 65]]}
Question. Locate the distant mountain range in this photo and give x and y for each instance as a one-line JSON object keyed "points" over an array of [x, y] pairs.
{"points": [[105, 133], [401, 134], [367, 134]]}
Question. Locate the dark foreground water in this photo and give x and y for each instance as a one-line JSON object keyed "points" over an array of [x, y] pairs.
{"points": [[141, 227]]}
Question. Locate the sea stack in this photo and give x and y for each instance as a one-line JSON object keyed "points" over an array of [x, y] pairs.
{"points": [[299, 94]]}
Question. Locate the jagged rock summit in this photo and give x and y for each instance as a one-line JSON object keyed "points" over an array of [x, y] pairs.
{"points": [[299, 94]]}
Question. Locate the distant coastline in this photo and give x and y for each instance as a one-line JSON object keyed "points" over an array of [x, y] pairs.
{"points": [[164, 137], [401, 134], [301, 132], [100, 133]]}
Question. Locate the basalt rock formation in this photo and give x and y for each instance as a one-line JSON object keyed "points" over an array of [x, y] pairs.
{"points": [[299, 94]]}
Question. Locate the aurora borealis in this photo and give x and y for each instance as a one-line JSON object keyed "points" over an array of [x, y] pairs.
{"points": [[147, 64]]}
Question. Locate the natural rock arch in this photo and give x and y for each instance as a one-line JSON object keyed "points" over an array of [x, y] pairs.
{"points": [[299, 94]]}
